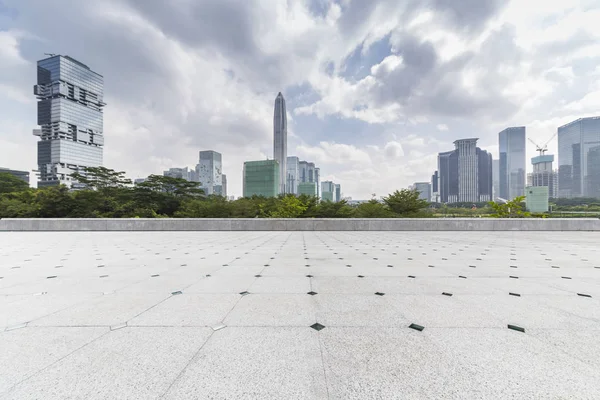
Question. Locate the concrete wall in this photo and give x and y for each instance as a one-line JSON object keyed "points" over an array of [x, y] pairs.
{"points": [[320, 224]]}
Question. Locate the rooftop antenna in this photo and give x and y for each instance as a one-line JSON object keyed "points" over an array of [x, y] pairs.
{"points": [[544, 148]]}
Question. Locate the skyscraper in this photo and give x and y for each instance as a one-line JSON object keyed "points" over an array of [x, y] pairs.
{"points": [[338, 192], [465, 174], [424, 189], [280, 140], [210, 173], [512, 162], [69, 113], [293, 173], [579, 158], [328, 191], [543, 174], [496, 178]]}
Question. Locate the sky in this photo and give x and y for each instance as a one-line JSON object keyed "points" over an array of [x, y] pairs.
{"points": [[374, 89]]}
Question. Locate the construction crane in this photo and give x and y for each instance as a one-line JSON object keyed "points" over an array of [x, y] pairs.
{"points": [[544, 148]]}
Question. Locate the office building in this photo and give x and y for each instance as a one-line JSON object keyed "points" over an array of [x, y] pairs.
{"points": [[280, 140], [261, 178], [543, 174], [69, 113], [328, 191], [495, 179], [22, 175], [224, 185], [512, 163], [210, 172], [307, 188], [435, 191], [424, 189], [293, 173], [137, 181], [338, 192], [309, 173], [579, 158], [182, 173], [465, 174]]}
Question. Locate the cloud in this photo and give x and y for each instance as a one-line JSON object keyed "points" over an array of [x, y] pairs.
{"points": [[385, 83]]}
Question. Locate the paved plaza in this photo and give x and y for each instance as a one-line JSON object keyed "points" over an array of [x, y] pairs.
{"points": [[299, 315]]}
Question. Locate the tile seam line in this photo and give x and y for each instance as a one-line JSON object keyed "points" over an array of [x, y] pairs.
{"points": [[53, 363], [180, 374]]}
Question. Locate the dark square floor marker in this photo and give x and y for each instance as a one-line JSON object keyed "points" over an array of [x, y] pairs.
{"points": [[154, 276], [176, 293], [516, 328], [583, 295], [257, 276], [361, 276], [379, 293], [416, 327], [566, 277], [244, 293], [447, 294], [514, 277], [309, 276], [411, 276], [317, 326], [515, 294], [472, 266], [463, 277], [103, 276], [51, 277], [312, 293]]}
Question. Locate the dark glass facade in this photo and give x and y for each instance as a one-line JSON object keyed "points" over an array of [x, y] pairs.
{"points": [[449, 173], [512, 165], [579, 158], [69, 112]]}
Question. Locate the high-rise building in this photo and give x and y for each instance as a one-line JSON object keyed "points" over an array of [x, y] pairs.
{"points": [[424, 189], [261, 178], [224, 186], [317, 179], [69, 113], [338, 192], [22, 175], [435, 187], [579, 158], [309, 173], [543, 174], [182, 173], [293, 173], [328, 191], [210, 172], [496, 178], [512, 166], [465, 174], [307, 188], [280, 140]]}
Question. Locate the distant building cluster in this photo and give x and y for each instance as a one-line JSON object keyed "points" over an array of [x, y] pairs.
{"points": [[285, 174], [71, 138]]}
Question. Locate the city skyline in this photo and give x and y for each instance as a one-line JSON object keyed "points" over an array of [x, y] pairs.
{"points": [[370, 102]]}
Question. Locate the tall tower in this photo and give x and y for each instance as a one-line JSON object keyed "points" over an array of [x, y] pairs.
{"points": [[280, 140], [69, 113], [468, 163], [512, 162], [210, 172]]}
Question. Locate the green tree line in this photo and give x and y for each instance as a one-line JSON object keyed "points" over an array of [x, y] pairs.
{"points": [[107, 193]]}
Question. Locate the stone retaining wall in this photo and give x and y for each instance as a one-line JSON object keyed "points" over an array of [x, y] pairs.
{"points": [[316, 224]]}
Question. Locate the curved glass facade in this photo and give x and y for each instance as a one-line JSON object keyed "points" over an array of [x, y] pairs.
{"points": [[579, 158]]}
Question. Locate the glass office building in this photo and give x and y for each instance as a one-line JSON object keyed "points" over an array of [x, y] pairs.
{"points": [[69, 113], [579, 158], [210, 172], [261, 178], [512, 165], [307, 188]]}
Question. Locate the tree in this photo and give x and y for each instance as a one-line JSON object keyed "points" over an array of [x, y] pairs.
{"points": [[372, 209], [177, 187], [11, 184], [514, 208], [289, 207], [405, 202], [54, 202], [101, 178]]}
